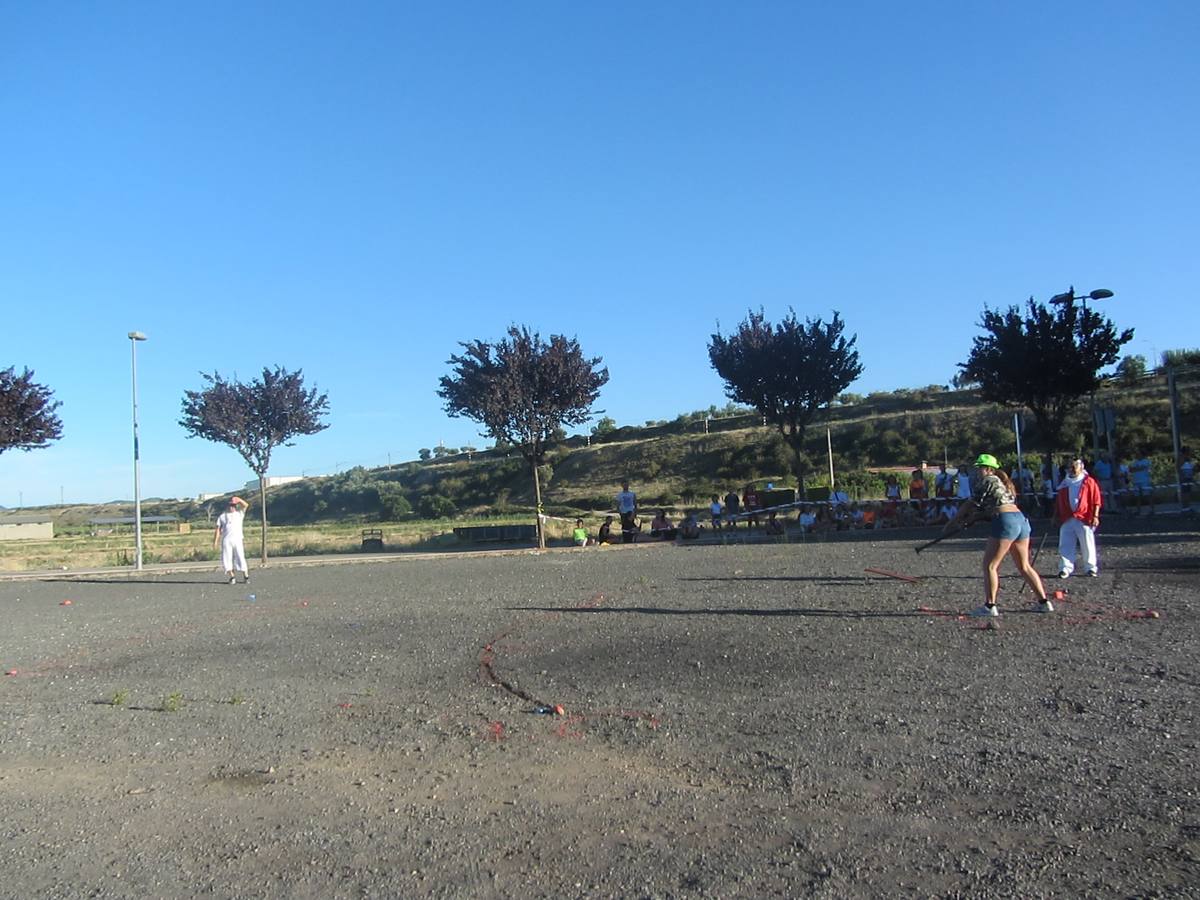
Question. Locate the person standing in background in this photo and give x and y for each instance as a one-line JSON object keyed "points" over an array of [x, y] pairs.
{"points": [[229, 539], [1077, 508], [627, 509]]}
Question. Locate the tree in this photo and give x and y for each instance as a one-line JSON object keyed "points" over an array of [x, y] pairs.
{"points": [[786, 371], [1131, 370], [254, 418], [523, 390], [27, 419], [606, 425], [1045, 360], [424, 454]]}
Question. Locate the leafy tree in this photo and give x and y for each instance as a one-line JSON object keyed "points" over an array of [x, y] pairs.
{"points": [[27, 419], [1131, 369], [1045, 360], [424, 453], [254, 418], [604, 426], [786, 371], [1183, 357], [435, 506], [523, 390]]}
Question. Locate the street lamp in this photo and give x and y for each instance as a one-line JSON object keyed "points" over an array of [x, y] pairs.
{"points": [[1070, 296], [134, 337], [1067, 300]]}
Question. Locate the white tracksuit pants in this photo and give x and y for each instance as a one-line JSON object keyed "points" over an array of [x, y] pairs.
{"points": [[1074, 536], [233, 555]]}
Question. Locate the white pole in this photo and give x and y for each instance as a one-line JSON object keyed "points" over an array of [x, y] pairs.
{"points": [[134, 337], [1020, 464], [829, 444]]}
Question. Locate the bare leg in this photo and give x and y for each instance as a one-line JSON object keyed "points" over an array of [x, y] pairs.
{"points": [[1019, 551], [996, 550]]}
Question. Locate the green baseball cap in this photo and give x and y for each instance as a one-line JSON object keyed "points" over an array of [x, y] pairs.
{"points": [[986, 459]]}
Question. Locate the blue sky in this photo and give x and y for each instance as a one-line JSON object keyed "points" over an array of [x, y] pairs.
{"points": [[352, 189]]}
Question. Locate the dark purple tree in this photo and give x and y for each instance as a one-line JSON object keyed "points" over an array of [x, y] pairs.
{"points": [[787, 371], [523, 390], [254, 418], [1045, 361], [27, 419]]}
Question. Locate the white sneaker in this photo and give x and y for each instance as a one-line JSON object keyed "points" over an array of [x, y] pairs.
{"points": [[232, 580], [1042, 606], [985, 610], [1093, 574], [1064, 574]]}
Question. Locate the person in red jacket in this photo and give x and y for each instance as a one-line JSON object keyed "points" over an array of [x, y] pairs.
{"points": [[1077, 508]]}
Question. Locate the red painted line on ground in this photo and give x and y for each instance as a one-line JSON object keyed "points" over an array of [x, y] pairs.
{"points": [[909, 578]]}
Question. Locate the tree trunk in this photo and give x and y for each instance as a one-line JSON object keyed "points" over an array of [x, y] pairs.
{"points": [[537, 496], [262, 497]]}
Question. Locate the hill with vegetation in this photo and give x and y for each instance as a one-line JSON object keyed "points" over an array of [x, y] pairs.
{"points": [[684, 461]]}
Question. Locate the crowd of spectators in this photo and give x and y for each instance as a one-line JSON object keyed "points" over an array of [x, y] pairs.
{"points": [[929, 498]]}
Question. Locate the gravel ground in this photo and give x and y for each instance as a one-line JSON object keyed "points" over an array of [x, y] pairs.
{"points": [[739, 721]]}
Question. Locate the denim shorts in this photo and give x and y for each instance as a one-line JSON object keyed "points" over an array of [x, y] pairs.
{"points": [[1011, 526]]}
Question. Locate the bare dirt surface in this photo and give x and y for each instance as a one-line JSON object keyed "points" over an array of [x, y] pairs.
{"points": [[740, 721]]}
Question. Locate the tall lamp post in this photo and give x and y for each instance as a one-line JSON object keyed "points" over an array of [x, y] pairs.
{"points": [[1068, 299], [134, 337]]}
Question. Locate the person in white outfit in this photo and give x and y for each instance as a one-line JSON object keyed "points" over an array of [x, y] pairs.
{"points": [[1077, 508], [228, 537]]}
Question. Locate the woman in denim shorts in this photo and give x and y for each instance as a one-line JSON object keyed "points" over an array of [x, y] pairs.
{"points": [[995, 498]]}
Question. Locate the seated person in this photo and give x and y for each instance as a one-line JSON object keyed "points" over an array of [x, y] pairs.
{"points": [[661, 528], [910, 513], [870, 517], [935, 514], [579, 534], [807, 520], [774, 526], [605, 535], [888, 514], [689, 528], [857, 516]]}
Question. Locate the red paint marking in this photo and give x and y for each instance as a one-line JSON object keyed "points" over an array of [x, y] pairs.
{"points": [[909, 578], [12, 672], [64, 603], [345, 705], [495, 731]]}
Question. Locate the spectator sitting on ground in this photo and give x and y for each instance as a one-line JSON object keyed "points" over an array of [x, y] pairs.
{"points": [[579, 534], [870, 516], [807, 520], [661, 528], [856, 516], [605, 535], [689, 528], [936, 513], [889, 513], [825, 520], [774, 526], [910, 513], [715, 510]]}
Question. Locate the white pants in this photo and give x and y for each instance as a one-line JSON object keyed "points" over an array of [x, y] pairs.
{"points": [[233, 555], [1074, 536]]}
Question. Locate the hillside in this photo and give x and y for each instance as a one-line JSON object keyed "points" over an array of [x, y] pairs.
{"points": [[685, 461]]}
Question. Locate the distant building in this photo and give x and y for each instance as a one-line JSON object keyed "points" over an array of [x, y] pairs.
{"points": [[29, 527]]}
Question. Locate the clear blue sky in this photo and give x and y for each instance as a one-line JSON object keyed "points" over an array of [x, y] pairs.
{"points": [[352, 189]]}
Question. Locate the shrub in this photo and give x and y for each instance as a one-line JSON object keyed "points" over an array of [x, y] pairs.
{"points": [[435, 506]]}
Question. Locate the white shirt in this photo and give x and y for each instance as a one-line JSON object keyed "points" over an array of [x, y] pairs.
{"points": [[230, 523]]}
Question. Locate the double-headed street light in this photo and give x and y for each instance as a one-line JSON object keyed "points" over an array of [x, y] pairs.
{"points": [[1070, 296], [134, 337], [1068, 299]]}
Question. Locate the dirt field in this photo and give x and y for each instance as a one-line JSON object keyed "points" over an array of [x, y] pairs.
{"points": [[739, 721]]}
